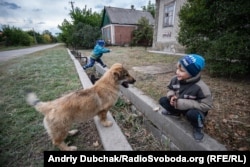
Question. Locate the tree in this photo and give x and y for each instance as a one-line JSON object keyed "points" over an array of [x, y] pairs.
{"points": [[85, 16], [86, 35], [15, 36], [37, 38], [143, 35], [218, 30], [66, 36], [149, 8], [84, 29], [48, 37]]}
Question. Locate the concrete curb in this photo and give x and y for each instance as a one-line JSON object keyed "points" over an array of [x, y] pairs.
{"points": [[167, 53], [112, 137], [177, 130]]}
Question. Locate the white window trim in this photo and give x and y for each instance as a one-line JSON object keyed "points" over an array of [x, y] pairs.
{"points": [[173, 16]]}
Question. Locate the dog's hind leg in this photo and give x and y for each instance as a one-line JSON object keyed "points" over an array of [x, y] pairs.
{"points": [[63, 146], [58, 133], [58, 140], [103, 118]]}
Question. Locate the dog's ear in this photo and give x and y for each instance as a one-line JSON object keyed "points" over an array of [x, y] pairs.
{"points": [[117, 75]]}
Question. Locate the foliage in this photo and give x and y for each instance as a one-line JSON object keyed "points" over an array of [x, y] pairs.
{"points": [[149, 8], [67, 28], [37, 37], [86, 35], [219, 30], [85, 16], [15, 36], [84, 29], [143, 35], [46, 38]]}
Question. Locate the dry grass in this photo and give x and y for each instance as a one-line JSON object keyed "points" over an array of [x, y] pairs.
{"points": [[50, 73], [228, 121]]}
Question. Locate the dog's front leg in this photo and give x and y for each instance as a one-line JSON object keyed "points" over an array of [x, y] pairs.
{"points": [[103, 118]]}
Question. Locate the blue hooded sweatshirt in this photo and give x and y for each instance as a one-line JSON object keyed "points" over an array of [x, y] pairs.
{"points": [[98, 51]]}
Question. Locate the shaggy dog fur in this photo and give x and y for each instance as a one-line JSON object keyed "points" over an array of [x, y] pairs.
{"points": [[81, 105]]}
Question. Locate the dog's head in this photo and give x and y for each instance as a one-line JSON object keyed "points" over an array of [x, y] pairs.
{"points": [[121, 75]]}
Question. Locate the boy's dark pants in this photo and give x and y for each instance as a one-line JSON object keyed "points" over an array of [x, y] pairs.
{"points": [[192, 114], [92, 62]]}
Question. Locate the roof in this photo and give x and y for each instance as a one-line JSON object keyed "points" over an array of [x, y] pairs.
{"points": [[127, 16]]}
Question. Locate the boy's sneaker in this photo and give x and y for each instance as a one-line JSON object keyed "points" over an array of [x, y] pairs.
{"points": [[167, 113], [104, 66], [198, 135]]}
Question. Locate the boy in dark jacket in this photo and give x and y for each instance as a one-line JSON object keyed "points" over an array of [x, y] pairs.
{"points": [[188, 94], [97, 54]]}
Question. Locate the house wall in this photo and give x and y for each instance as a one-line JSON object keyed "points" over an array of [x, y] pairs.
{"points": [[106, 34], [118, 34], [123, 34], [165, 38]]}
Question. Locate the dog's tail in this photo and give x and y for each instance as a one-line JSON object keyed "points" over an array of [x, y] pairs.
{"points": [[34, 101]]}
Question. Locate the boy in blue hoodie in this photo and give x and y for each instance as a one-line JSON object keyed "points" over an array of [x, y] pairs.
{"points": [[97, 54]]}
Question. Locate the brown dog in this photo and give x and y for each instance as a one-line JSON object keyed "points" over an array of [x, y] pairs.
{"points": [[81, 105]]}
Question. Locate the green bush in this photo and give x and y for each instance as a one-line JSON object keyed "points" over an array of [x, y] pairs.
{"points": [[143, 35], [227, 56], [218, 30], [16, 37]]}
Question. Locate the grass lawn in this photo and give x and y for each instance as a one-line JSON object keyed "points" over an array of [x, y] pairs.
{"points": [[49, 73]]}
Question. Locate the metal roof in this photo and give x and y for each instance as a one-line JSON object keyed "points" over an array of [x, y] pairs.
{"points": [[127, 16]]}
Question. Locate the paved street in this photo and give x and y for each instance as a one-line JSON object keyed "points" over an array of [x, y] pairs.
{"points": [[7, 55]]}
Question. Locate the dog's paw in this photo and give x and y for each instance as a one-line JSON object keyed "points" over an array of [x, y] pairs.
{"points": [[107, 123], [72, 132], [72, 148]]}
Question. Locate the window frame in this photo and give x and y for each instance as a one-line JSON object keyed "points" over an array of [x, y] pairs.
{"points": [[168, 14]]}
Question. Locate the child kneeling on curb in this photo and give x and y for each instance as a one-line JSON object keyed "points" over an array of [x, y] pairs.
{"points": [[188, 94]]}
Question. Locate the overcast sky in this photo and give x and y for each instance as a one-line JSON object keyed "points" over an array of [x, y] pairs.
{"points": [[43, 15]]}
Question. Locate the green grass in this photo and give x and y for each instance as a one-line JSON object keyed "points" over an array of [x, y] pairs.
{"points": [[4, 48], [49, 73]]}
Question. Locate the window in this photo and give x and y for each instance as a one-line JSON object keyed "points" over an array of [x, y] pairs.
{"points": [[168, 15]]}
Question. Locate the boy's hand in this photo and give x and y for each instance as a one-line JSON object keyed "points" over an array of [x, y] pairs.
{"points": [[173, 101]]}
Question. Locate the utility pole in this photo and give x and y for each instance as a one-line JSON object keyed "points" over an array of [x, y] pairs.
{"points": [[72, 6], [34, 36]]}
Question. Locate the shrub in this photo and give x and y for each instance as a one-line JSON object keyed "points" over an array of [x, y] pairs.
{"points": [[218, 30]]}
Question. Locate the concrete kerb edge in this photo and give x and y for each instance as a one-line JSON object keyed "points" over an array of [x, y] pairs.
{"points": [[177, 130], [117, 143]]}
